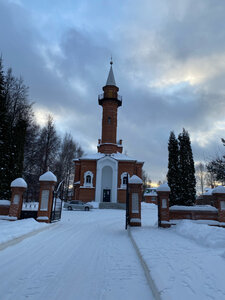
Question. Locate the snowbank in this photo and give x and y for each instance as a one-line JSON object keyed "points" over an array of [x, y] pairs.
{"points": [[94, 204], [12, 230], [203, 234], [195, 207]]}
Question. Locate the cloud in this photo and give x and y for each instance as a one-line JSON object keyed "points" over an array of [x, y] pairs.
{"points": [[169, 66]]}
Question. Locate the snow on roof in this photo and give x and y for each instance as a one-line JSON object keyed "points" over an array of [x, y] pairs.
{"points": [[94, 156], [19, 182], [120, 156], [48, 176], [208, 192], [117, 156], [163, 188], [111, 79], [219, 190], [135, 180]]}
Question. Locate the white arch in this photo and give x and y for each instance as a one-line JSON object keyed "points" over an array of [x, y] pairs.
{"points": [[106, 161], [122, 185]]}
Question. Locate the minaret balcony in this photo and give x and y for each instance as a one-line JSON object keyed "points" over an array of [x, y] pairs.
{"points": [[102, 98]]}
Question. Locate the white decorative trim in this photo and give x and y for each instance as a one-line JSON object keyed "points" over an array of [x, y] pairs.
{"points": [[101, 163], [87, 184], [124, 186]]}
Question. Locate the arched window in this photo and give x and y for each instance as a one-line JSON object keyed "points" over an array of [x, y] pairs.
{"points": [[124, 180], [88, 179]]}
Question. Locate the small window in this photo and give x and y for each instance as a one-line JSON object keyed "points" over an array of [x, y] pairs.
{"points": [[88, 179], [222, 205], [109, 120], [124, 180], [16, 199]]}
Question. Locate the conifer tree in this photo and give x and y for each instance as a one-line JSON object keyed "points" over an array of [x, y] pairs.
{"points": [[173, 175], [187, 170], [4, 139]]}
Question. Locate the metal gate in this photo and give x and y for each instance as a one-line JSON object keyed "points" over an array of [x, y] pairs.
{"points": [[127, 204], [56, 204]]}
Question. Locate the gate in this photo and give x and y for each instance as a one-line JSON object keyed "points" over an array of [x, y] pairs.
{"points": [[56, 204], [127, 204]]}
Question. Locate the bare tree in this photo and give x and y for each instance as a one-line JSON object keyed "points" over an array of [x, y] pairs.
{"points": [[64, 167], [200, 176]]}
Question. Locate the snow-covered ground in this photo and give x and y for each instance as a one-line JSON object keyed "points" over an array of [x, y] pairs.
{"points": [[186, 261], [11, 230], [88, 255]]}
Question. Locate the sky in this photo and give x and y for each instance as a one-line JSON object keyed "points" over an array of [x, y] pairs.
{"points": [[169, 64]]}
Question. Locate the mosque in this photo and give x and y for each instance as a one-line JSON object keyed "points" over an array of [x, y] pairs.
{"points": [[101, 177]]}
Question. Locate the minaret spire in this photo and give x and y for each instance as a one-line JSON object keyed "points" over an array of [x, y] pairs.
{"points": [[111, 78]]}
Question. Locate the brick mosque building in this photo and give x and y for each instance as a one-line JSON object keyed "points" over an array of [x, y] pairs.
{"points": [[101, 177]]}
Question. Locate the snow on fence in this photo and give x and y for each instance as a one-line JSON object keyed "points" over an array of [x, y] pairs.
{"points": [[30, 206], [199, 213]]}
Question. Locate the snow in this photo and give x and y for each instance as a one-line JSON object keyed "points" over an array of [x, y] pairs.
{"points": [[182, 265], [117, 156], [84, 256], [19, 182], [195, 207], [30, 206], [135, 220], [135, 180], [48, 176], [203, 234], [15, 229], [219, 190], [94, 204], [90, 256], [208, 192], [44, 218], [163, 188], [5, 203]]}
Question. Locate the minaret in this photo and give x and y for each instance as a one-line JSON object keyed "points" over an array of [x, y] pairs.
{"points": [[110, 101]]}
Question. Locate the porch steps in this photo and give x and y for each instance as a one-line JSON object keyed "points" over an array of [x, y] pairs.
{"points": [[110, 205]]}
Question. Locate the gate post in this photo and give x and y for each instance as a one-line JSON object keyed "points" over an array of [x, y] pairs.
{"points": [[163, 192], [47, 184], [18, 186], [219, 195], [135, 196]]}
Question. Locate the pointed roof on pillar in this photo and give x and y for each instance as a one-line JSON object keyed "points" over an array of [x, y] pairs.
{"points": [[111, 78]]}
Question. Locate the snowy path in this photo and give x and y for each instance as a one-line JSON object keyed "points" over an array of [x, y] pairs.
{"points": [[88, 255], [186, 261]]}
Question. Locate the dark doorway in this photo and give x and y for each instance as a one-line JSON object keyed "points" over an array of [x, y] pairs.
{"points": [[106, 195]]}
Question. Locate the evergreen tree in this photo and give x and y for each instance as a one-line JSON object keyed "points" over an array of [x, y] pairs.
{"points": [[173, 175], [187, 170], [4, 139]]}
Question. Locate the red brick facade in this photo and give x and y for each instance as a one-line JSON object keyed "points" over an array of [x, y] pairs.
{"points": [[85, 181]]}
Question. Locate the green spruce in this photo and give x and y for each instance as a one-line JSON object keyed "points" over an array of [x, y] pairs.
{"points": [[173, 175]]}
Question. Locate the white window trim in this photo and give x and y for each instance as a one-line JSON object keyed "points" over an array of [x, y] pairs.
{"points": [[124, 174], [89, 185]]}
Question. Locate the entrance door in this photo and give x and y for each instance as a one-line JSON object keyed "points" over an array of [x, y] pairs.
{"points": [[106, 195]]}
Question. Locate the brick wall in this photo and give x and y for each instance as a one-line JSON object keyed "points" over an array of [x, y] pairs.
{"points": [[4, 210], [193, 215], [87, 194]]}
